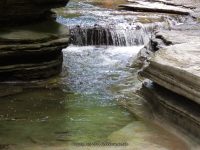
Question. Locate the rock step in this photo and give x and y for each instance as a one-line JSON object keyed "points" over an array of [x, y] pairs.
{"points": [[34, 33]]}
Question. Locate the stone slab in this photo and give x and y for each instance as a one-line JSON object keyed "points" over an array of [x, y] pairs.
{"points": [[155, 7], [176, 64]]}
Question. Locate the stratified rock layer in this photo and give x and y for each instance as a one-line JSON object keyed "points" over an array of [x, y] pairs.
{"points": [[18, 11], [175, 65], [173, 107], [32, 51], [157, 6]]}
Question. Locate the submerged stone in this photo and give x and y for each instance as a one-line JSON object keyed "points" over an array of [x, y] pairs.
{"points": [[139, 135]]}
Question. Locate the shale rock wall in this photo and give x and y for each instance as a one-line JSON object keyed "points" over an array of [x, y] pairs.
{"points": [[31, 42], [171, 62], [175, 66]]}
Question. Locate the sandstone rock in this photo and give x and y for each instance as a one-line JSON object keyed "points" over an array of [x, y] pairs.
{"points": [[176, 66], [177, 109], [32, 51]]}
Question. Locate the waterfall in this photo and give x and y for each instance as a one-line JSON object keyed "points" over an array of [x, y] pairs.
{"points": [[99, 26], [117, 35]]}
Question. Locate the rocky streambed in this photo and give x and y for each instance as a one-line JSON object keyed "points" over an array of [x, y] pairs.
{"points": [[79, 109]]}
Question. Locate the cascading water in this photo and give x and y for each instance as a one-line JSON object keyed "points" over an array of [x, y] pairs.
{"points": [[99, 26]]}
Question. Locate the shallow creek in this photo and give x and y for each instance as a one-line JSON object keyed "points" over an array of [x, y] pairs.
{"points": [[84, 108]]}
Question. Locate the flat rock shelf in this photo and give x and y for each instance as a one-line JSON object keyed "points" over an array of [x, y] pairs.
{"points": [[155, 7], [175, 66]]}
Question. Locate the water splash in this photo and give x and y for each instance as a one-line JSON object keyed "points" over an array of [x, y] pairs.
{"points": [[100, 26], [124, 34]]}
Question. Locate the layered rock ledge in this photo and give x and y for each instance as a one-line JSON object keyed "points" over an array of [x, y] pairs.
{"points": [[175, 108], [175, 65], [32, 51], [31, 42]]}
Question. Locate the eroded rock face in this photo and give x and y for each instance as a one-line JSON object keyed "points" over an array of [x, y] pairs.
{"points": [[171, 61], [32, 51], [177, 109], [18, 11], [175, 65]]}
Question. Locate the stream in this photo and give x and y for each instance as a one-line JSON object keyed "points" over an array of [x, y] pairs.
{"points": [[83, 111]]}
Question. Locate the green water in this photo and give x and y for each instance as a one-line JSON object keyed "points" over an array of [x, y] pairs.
{"points": [[80, 109], [83, 107], [49, 116]]}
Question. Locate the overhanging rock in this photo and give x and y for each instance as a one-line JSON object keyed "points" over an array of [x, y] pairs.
{"points": [[175, 66]]}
